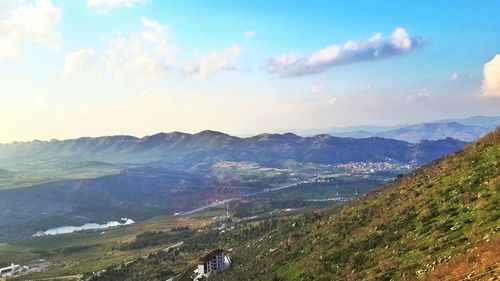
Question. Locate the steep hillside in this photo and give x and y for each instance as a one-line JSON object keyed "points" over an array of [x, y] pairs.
{"points": [[418, 227]]}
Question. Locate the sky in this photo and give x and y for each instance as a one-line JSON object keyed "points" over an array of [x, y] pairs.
{"points": [[138, 67]]}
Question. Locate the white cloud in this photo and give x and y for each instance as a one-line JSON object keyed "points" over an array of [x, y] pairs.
{"points": [[400, 39], [154, 33], [147, 54], [215, 63], [332, 101], [462, 77], [106, 5], [424, 93], [317, 89], [366, 88], [328, 54], [375, 48], [249, 34], [491, 81], [29, 23], [79, 62]]}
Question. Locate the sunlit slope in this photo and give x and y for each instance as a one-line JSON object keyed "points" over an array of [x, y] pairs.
{"points": [[415, 228]]}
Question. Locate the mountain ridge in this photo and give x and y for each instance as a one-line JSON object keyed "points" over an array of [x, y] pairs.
{"points": [[489, 122], [190, 149], [466, 129]]}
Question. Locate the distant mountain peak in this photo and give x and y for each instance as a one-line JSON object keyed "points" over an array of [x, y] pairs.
{"points": [[263, 137], [291, 135], [274, 137], [159, 137], [210, 133], [323, 136]]}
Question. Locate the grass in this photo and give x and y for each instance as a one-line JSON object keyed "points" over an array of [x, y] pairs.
{"points": [[31, 179]]}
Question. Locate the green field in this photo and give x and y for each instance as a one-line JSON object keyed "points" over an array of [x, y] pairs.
{"points": [[32, 178]]}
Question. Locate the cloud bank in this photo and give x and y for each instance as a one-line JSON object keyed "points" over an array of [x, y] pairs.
{"points": [[491, 81], [318, 88], [145, 54], [29, 23], [375, 48], [149, 54]]}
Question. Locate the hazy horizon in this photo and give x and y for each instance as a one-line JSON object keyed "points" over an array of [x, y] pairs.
{"points": [[298, 131]]}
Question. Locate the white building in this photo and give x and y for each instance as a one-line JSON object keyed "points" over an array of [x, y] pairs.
{"points": [[39, 234], [213, 262], [12, 270]]}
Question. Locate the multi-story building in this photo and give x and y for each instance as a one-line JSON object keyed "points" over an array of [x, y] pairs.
{"points": [[213, 262]]}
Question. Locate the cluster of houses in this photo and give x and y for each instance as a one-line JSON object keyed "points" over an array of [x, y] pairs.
{"points": [[211, 263], [12, 270]]}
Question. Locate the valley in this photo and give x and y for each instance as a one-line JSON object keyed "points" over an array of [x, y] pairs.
{"points": [[439, 222], [184, 199], [147, 192], [183, 209], [95, 180]]}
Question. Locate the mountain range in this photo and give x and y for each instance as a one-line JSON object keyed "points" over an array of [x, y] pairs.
{"points": [[466, 129], [184, 151]]}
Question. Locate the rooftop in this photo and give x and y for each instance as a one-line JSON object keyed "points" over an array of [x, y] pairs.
{"points": [[211, 255]]}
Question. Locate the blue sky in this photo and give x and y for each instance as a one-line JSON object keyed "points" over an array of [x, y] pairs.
{"points": [[104, 67]]}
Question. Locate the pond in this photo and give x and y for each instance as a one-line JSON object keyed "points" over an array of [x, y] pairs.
{"points": [[87, 226]]}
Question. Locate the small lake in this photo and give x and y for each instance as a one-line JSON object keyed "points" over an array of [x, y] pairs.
{"points": [[87, 226]]}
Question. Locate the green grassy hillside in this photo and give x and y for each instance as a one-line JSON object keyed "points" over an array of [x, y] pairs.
{"points": [[409, 230]]}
